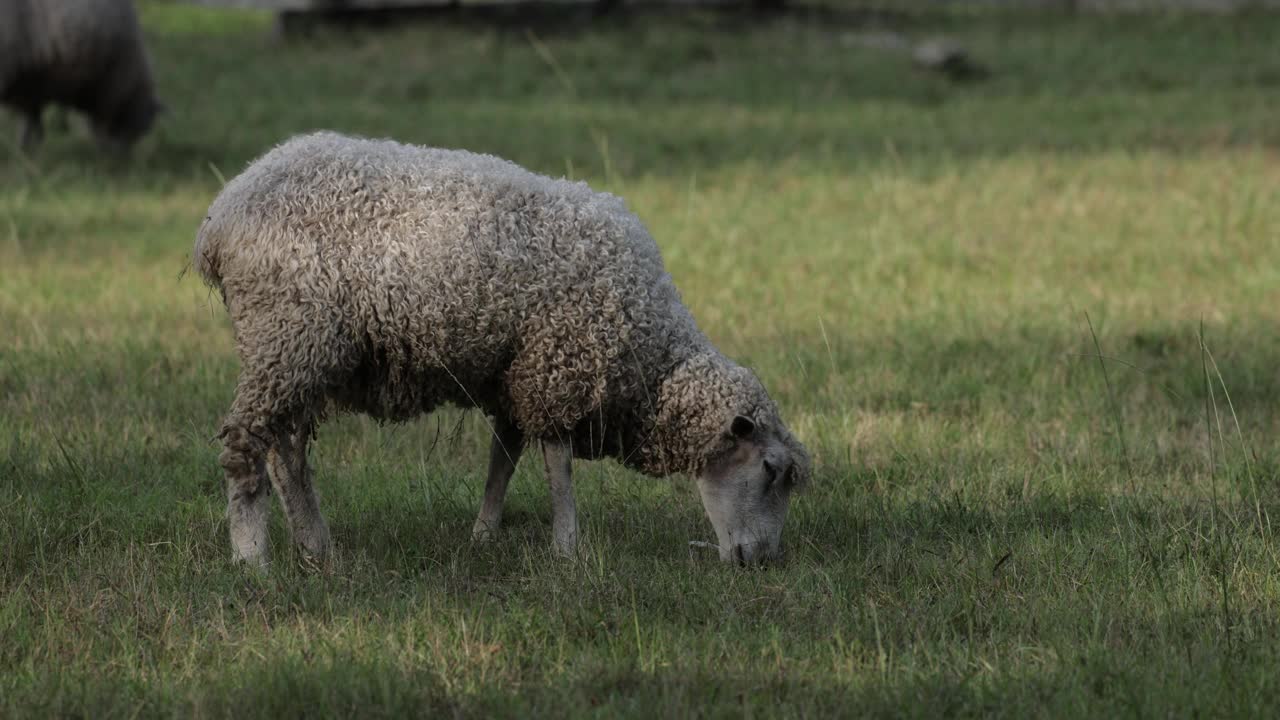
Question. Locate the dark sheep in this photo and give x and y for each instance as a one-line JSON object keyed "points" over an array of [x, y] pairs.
{"points": [[85, 54]]}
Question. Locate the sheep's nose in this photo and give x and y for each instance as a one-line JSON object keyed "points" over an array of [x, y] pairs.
{"points": [[746, 554]]}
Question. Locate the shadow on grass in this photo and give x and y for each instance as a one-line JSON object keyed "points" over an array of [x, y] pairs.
{"points": [[334, 682]]}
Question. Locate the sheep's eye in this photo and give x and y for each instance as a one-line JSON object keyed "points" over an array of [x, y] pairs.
{"points": [[771, 474], [789, 479]]}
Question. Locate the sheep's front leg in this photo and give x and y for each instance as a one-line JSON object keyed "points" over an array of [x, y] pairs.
{"points": [[291, 474], [504, 453], [243, 460], [32, 130], [564, 513]]}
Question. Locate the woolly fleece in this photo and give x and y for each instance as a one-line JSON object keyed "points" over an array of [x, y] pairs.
{"points": [[367, 275]]}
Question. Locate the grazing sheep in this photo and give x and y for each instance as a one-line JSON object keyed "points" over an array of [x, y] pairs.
{"points": [[86, 54], [382, 278]]}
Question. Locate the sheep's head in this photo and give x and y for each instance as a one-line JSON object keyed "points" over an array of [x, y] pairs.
{"points": [[746, 488], [717, 423], [119, 130]]}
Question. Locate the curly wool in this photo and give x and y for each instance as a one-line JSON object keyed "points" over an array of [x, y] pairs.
{"points": [[366, 275], [696, 398], [86, 54]]}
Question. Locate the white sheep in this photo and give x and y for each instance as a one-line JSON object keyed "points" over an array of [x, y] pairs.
{"points": [[383, 278]]}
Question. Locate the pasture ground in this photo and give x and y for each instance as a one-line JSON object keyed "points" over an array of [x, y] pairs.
{"points": [[1000, 525]]}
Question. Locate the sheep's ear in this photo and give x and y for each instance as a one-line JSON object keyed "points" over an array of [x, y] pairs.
{"points": [[742, 427]]}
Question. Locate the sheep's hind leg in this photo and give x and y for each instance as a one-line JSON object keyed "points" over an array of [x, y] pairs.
{"points": [[564, 512], [504, 453], [293, 480], [243, 461]]}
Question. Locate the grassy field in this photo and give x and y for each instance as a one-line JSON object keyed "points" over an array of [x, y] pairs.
{"points": [[924, 275]]}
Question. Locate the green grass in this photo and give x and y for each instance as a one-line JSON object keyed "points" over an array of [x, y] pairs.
{"points": [[913, 267]]}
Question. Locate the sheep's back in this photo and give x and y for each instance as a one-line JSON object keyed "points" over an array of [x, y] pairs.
{"points": [[446, 261]]}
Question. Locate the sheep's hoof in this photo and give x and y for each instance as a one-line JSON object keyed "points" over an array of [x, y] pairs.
{"points": [[316, 562], [258, 564], [565, 547], [484, 532], [315, 545]]}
